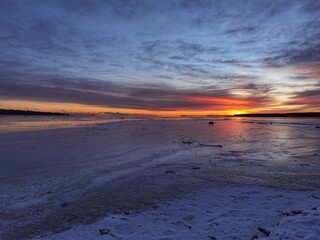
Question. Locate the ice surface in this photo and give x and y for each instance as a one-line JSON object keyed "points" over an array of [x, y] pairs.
{"points": [[55, 180]]}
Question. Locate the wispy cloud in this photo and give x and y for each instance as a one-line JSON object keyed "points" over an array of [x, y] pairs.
{"points": [[310, 98], [150, 97]]}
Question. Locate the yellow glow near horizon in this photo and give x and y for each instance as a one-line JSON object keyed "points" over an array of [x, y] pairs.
{"points": [[237, 112]]}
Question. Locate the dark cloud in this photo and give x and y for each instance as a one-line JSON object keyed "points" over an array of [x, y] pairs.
{"points": [[98, 98], [192, 49], [229, 61], [309, 54], [310, 98], [122, 8], [308, 93], [257, 88], [108, 94], [304, 50], [182, 69], [192, 4], [183, 50], [242, 30], [313, 7]]}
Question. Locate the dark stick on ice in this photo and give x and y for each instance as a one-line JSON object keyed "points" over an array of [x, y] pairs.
{"points": [[264, 231], [189, 140]]}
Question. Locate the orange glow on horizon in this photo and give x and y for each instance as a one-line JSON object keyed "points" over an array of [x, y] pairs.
{"points": [[225, 107], [79, 108], [224, 101]]}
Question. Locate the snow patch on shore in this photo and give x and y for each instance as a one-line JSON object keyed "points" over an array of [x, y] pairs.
{"points": [[219, 213], [304, 226]]}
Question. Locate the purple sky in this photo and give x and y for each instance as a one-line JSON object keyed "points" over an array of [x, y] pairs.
{"points": [[218, 56]]}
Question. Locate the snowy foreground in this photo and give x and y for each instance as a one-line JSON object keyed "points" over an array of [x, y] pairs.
{"points": [[139, 180], [222, 213]]}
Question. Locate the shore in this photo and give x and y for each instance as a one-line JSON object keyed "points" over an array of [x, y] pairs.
{"points": [[71, 183]]}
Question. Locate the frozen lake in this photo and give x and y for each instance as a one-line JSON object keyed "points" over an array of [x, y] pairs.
{"points": [[56, 179]]}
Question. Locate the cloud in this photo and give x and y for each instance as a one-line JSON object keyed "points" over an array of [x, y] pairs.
{"points": [[309, 98], [256, 88], [152, 97], [305, 72], [165, 54], [309, 93], [242, 30], [122, 8], [312, 7], [309, 54], [192, 4], [185, 50], [228, 61]]}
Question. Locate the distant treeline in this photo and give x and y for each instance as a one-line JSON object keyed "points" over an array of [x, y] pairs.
{"points": [[27, 112], [307, 114]]}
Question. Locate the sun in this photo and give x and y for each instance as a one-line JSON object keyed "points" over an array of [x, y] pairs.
{"points": [[237, 112]]}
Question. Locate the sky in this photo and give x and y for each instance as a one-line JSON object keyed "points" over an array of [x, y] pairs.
{"points": [[167, 57]]}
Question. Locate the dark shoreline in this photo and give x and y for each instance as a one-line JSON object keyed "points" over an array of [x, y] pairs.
{"points": [[29, 113], [276, 115]]}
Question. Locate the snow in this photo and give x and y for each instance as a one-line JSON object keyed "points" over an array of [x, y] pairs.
{"points": [[223, 213], [304, 226]]}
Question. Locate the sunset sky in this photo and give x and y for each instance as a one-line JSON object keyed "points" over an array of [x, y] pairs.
{"points": [[160, 57]]}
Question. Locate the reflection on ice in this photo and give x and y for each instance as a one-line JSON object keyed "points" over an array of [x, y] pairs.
{"points": [[34, 123]]}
